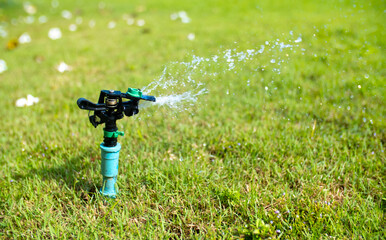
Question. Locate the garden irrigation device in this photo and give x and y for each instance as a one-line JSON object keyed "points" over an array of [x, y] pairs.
{"points": [[110, 108]]}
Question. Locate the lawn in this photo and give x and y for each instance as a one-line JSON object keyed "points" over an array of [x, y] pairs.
{"points": [[270, 121]]}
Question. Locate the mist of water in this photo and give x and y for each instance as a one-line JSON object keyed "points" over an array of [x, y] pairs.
{"points": [[182, 83]]}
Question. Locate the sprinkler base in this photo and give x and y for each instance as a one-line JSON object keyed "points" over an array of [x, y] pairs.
{"points": [[109, 169], [108, 187]]}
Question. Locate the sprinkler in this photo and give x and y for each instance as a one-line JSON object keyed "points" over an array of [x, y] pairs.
{"points": [[108, 110]]}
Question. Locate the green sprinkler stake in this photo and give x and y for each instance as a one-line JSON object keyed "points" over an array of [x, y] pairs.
{"points": [[108, 110]]}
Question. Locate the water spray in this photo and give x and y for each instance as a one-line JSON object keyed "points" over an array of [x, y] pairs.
{"points": [[110, 108]]}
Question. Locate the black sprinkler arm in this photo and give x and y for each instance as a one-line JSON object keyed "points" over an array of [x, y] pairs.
{"points": [[88, 105]]}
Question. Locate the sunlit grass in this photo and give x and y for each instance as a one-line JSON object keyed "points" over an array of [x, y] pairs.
{"points": [[286, 144]]}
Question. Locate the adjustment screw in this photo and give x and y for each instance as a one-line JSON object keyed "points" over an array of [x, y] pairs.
{"points": [[111, 102]]}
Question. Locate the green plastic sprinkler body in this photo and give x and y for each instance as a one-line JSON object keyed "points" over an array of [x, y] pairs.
{"points": [[108, 110]]}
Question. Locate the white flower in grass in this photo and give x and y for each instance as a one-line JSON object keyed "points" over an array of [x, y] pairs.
{"points": [[72, 27], [63, 67], [22, 102], [66, 14], [3, 32], [54, 33], [29, 101], [181, 15], [130, 21], [184, 17], [191, 36], [79, 20], [141, 22], [29, 8], [24, 38], [111, 25], [3, 66]]}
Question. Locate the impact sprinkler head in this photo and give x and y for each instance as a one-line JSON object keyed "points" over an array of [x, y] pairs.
{"points": [[108, 110]]}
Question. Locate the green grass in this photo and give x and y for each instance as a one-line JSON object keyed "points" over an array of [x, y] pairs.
{"points": [[306, 156]]}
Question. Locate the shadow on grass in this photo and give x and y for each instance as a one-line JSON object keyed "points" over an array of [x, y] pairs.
{"points": [[70, 174]]}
